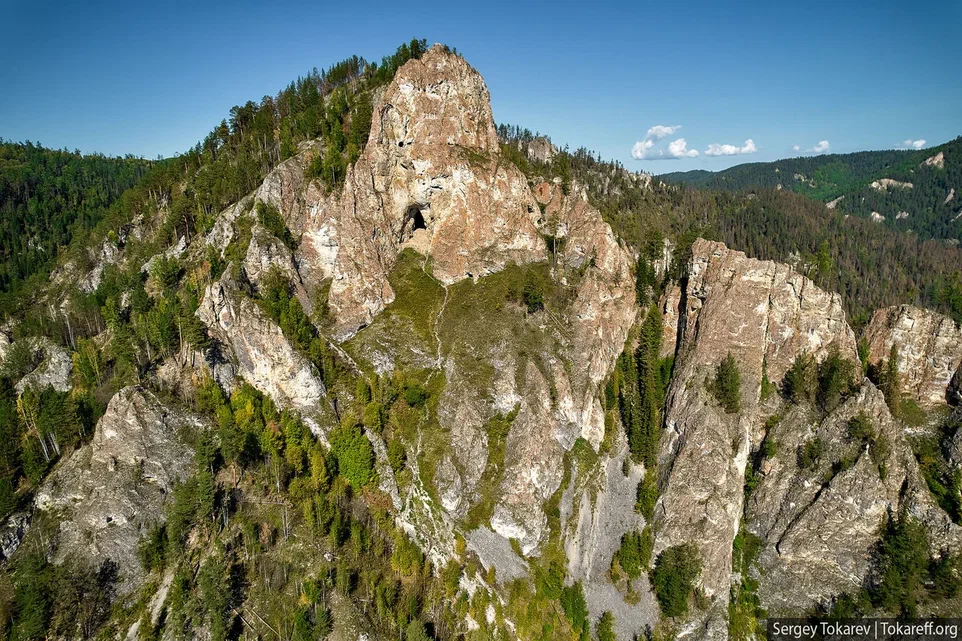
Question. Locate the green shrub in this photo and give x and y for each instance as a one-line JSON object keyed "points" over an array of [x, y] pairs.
{"points": [[270, 218], [605, 629], [903, 562], [152, 550], [396, 455], [415, 395], [630, 557], [880, 451], [860, 428], [533, 295], [810, 453], [647, 495], [354, 455], [576, 609], [166, 272], [801, 380], [674, 576], [836, 380], [727, 385]]}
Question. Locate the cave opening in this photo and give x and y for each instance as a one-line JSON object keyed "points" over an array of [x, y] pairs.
{"points": [[416, 218]]}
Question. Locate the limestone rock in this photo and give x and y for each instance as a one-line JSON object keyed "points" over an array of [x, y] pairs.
{"points": [[4, 347], [174, 251], [818, 525], [12, 532], [108, 255], [429, 177], [53, 371], [764, 314], [264, 357], [109, 492], [929, 346], [265, 252]]}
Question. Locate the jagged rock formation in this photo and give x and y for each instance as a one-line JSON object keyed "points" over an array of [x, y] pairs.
{"points": [[107, 493], [430, 177], [54, 369], [12, 532], [266, 252], [764, 314], [929, 349], [264, 357], [818, 525]]}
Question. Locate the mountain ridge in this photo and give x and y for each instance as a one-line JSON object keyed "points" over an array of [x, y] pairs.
{"points": [[441, 386]]}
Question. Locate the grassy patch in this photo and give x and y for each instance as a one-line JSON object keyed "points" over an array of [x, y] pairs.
{"points": [[497, 429]]}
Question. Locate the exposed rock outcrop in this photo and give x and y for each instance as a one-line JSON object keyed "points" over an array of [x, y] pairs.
{"points": [[266, 252], [54, 369], [885, 184], [12, 532], [764, 314], [929, 349], [818, 525], [431, 177], [264, 357], [938, 161], [108, 493]]}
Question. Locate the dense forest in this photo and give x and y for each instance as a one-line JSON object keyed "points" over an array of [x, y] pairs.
{"points": [[822, 177], [49, 196], [915, 191]]}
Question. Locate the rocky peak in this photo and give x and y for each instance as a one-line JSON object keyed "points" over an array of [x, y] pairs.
{"points": [[430, 177], [438, 99]]}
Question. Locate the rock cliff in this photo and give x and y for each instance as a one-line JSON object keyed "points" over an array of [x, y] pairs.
{"points": [[431, 178], [764, 314], [264, 357], [929, 350]]}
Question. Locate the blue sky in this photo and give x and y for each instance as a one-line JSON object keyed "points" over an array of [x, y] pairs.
{"points": [[154, 78]]}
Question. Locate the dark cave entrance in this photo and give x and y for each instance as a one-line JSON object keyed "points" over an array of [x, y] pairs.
{"points": [[416, 218]]}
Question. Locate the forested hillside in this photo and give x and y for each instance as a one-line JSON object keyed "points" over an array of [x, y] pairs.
{"points": [[822, 177], [871, 265], [915, 191], [47, 197]]}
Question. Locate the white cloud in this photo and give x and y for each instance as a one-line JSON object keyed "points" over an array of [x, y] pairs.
{"points": [[640, 150], [796, 148], [821, 148], [915, 144], [661, 131], [715, 149], [679, 149], [645, 149]]}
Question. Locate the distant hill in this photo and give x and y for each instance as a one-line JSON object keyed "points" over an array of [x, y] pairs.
{"points": [[908, 190]]}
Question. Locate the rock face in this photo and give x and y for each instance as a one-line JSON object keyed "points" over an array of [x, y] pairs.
{"points": [[12, 532], [264, 357], [53, 371], [929, 347], [818, 525], [429, 177], [108, 493], [764, 314], [266, 252]]}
